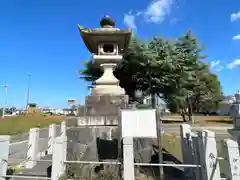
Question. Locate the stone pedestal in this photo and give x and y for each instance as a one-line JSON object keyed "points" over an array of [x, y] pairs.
{"points": [[105, 105], [107, 84], [235, 113], [236, 123]]}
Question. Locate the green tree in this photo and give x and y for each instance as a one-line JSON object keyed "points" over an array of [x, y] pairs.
{"points": [[171, 68], [194, 87]]}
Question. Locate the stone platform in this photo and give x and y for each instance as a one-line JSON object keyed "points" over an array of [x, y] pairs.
{"points": [[81, 136], [105, 105]]}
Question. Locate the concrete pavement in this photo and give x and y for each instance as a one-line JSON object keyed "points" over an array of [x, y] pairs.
{"points": [[24, 137]]}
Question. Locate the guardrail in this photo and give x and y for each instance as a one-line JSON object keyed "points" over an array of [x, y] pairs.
{"points": [[201, 148], [34, 153]]}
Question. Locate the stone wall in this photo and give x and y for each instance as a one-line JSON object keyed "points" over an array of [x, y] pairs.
{"points": [[105, 105], [79, 136]]}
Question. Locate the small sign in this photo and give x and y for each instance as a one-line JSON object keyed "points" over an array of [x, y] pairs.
{"points": [[71, 101], [139, 123]]}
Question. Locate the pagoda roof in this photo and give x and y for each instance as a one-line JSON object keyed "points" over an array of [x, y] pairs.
{"points": [[93, 37]]}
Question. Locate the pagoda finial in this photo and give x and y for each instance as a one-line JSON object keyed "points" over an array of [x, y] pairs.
{"points": [[107, 21]]}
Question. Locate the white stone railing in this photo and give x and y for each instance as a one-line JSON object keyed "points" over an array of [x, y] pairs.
{"points": [[200, 155], [34, 153], [202, 149]]}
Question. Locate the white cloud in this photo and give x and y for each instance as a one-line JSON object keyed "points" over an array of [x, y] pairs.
{"points": [[235, 16], [234, 64], [129, 20], [155, 12], [213, 64], [237, 37], [216, 66], [219, 68], [158, 10]]}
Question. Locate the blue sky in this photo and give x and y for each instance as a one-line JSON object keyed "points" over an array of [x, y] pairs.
{"points": [[41, 37]]}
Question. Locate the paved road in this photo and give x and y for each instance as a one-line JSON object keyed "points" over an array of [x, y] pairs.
{"points": [[24, 137], [19, 145]]}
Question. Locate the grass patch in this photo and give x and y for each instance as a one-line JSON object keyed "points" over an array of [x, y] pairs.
{"points": [[172, 144], [213, 119], [20, 124]]}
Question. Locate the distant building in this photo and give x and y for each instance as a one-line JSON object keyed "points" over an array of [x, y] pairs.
{"points": [[225, 105], [53, 110], [67, 111], [160, 103], [32, 108]]}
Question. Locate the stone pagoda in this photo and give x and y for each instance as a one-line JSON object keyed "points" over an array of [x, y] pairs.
{"points": [[107, 45], [99, 127]]}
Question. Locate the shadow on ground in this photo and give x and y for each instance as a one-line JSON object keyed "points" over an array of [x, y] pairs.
{"points": [[219, 121], [172, 122], [170, 173], [198, 122]]}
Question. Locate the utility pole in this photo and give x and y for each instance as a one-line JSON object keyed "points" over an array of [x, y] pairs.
{"points": [[5, 100], [28, 91]]}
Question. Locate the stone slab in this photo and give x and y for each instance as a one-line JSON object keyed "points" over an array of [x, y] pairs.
{"points": [[92, 121], [105, 105]]}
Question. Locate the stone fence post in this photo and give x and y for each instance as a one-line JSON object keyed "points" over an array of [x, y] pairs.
{"points": [[128, 159], [59, 157], [63, 128], [208, 155], [4, 151], [51, 137], [33, 148], [231, 149], [186, 145], [190, 151], [196, 172]]}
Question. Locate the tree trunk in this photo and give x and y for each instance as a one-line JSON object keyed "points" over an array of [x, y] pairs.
{"points": [[183, 113], [153, 101], [189, 109]]}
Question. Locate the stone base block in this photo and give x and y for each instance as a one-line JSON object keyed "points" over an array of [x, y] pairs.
{"points": [[105, 105], [108, 89], [236, 122]]}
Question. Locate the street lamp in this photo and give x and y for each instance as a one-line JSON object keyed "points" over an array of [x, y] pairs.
{"points": [[5, 99], [28, 90]]}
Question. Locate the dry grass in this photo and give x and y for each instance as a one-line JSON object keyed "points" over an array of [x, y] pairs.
{"points": [[213, 118], [199, 119], [19, 124], [171, 143], [106, 174]]}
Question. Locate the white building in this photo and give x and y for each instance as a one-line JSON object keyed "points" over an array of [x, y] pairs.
{"points": [[160, 103], [226, 105]]}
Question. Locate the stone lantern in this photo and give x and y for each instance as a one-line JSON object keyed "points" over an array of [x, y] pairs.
{"points": [[107, 45], [235, 111]]}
